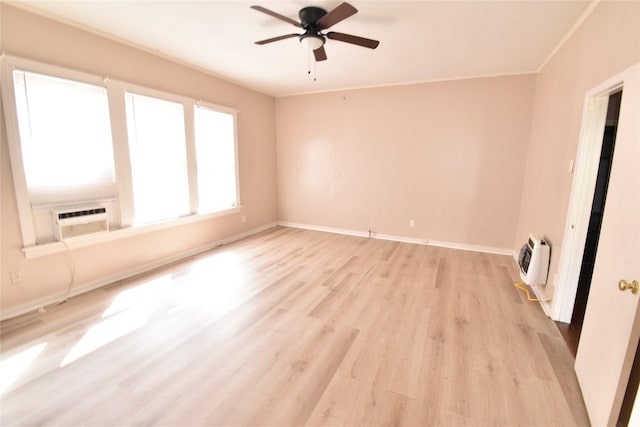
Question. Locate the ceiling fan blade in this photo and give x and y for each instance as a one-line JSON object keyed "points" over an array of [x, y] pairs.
{"points": [[320, 54], [348, 38], [341, 12], [275, 39], [276, 15]]}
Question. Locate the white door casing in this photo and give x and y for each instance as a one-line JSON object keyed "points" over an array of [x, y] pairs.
{"points": [[579, 210], [612, 324]]}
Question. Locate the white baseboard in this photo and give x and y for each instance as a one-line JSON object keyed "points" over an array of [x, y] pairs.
{"points": [[404, 239], [324, 229], [546, 307], [39, 303]]}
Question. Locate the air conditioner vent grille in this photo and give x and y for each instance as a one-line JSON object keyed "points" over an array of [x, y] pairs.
{"points": [[85, 212]]}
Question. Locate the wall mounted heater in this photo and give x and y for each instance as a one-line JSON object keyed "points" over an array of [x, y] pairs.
{"points": [[534, 261], [69, 224]]}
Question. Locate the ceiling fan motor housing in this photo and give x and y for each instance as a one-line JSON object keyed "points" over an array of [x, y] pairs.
{"points": [[309, 17]]}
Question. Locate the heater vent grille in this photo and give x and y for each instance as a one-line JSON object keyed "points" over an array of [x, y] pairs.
{"points": [[534, 261]]}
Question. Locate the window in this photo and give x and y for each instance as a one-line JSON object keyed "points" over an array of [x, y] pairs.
{"points": [[79, 141], [65, 139], [158, 155], [216, 160]]}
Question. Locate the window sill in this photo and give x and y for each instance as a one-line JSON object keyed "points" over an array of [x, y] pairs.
{"points": [[122, 233]]}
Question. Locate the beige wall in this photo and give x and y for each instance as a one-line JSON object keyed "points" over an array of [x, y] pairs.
{"points": [[606, 43], [449, 155], [34, 37]]}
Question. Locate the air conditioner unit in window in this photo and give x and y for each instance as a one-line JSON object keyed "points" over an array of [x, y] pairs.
{"points": [[75, 223]]}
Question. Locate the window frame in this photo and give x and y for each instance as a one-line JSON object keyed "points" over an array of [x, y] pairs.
{"points": [[36, 197], [117, 115], [234, 114], [186, 103]]}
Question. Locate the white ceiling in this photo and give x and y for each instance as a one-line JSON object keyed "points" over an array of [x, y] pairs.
{"points": [[419, 40]]}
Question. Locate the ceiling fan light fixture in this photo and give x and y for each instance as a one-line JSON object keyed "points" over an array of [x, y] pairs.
{"points": [[312, 41]]}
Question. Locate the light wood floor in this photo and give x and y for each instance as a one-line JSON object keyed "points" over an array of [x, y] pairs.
{"points": [[295, 327]]}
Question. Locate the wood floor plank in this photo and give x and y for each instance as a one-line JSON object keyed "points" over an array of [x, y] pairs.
{"points": [[409, 344], [337, 403], [292, 327]]}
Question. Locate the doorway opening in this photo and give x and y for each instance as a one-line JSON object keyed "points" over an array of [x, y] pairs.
{"points": [[571, 331]]}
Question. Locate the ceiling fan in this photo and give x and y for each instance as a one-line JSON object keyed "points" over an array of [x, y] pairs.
{"points": [[314, 20]]}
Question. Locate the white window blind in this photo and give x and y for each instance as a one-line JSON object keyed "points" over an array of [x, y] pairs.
{"points": [[158, 158], [216, 160], [65, 139]]}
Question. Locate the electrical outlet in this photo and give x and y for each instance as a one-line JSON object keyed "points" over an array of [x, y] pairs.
{"points": [[16, 278], [412, 223], [244, 218]]}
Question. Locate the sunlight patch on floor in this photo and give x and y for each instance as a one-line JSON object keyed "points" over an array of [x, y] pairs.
{"points": [[215, 283], [12, 367], [107, 331], [128, 312], [148, 291]]}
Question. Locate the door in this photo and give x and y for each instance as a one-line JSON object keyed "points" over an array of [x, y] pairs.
{"points": [[611, 325]]}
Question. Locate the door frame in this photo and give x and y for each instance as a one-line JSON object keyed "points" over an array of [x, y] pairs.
{"points": [[594, 117]]}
